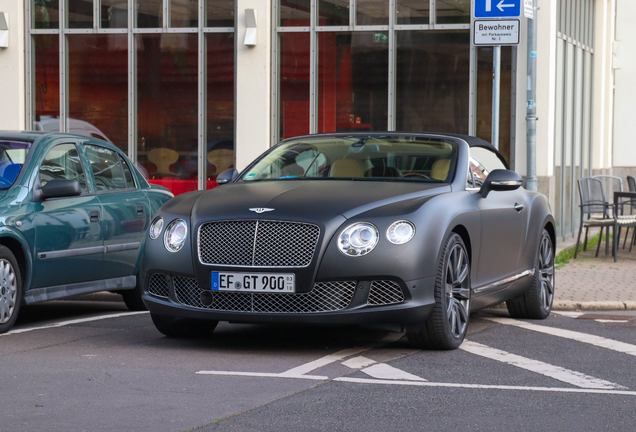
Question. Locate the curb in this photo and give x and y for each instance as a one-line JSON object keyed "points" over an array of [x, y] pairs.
{"points": [[565, 305]]}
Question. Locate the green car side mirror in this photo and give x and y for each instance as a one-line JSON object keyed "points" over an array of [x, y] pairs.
{"points": [[60, 189]]}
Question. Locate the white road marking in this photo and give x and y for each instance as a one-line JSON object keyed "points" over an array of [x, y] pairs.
{"points": [[71, 322], [556, 372], [384, 371], [598, 341], [358, 362], [569, 314], [323, 361], [484, 386], [263, 374], [603, 321]]}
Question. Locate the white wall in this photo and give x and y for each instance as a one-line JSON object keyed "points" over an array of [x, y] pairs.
{"points": [[253, 93], [624, 145], [12, 69]]}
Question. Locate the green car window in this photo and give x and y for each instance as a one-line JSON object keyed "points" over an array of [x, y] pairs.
{"points": [[107, 169], [62, 162]]}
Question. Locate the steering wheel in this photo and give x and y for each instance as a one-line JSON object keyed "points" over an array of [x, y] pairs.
{"points": [[413, 174]]}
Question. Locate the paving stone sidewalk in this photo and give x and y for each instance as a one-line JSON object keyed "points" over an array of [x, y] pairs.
{"points": [[597, 283]]}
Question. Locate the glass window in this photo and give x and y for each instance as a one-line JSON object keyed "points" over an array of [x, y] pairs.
{"points": [[12, 157], [98, 87], [333, 12], [107, 170], [295, 13], [114, 14], [167, 113], [453, 11], [487, 158], [220, 13], [220, 104], [184, 13], [479, 172], [353, 81], [62, 162], [79, 13], [150, 14], [130, 182], [46, 82], [413, 11], [294, 84], [372, 12], [46, 14], [433, 75], [469, 177]]}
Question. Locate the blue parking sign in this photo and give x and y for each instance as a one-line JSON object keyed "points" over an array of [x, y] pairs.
{"points": [[497, 8]]}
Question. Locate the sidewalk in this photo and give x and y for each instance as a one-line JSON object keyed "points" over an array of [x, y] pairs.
{"points": [[589, 283]]}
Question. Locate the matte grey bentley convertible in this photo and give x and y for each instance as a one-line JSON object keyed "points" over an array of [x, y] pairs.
{"points": [[409, 230]]}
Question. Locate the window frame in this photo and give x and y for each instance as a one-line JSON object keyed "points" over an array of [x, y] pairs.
{"points": [[47, 150]]}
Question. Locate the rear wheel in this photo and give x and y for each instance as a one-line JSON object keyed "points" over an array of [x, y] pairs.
{"points": [[183, 328], [537, 302], [10, 289], [446, 326]]}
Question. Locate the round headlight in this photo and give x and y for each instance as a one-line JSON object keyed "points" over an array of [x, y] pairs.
{"points": [[156, 227], [175, 235], [358, 239], [400, 232]]}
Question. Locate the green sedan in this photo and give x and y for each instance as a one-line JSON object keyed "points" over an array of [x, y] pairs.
{"points": [[73, 216]]}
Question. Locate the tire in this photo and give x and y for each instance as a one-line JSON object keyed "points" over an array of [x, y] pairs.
{"points": [[10, 289], [183, 328], [446, 326], [132, 297], [536, 303]]}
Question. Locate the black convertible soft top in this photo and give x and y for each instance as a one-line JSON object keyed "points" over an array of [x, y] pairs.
{"points": [[476, 142]]}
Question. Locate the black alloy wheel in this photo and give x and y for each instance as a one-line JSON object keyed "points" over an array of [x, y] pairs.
{"points": [[536, 303], [446, 326]]}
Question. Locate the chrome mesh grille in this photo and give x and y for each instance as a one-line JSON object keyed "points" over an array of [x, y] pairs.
{"points": [[384, 293], [158, 285], [324, 297], [259, 243]]}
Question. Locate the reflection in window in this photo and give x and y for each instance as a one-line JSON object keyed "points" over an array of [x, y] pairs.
{"points": [[433, 69], [46, 83], [107, 170], [184, 13], [150, 14], [413, 11], [295, 12], [167, 114], [98, 87], [80, 13], [62, 162], [114, 14], [220, 13], [372, 12], [12, 157], [453, 11], [130, 183], [333, 12], [46, 14], [353, 81], [294, 84]]}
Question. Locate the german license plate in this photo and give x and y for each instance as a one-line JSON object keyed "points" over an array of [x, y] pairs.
{"points": [[254, 282]]}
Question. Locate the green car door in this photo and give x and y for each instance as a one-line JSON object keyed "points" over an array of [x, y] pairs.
{"points": [[68, 231], [126, 214]]}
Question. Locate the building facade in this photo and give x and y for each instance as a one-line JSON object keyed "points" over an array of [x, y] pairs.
{"points": [[176, 84]]}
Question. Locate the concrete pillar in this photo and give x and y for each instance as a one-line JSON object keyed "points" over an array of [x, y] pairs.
{"points": [[252, 84], [12, 73]]}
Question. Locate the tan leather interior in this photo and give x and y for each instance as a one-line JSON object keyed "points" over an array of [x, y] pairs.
{"points": [[346, 168], [440, 168]]}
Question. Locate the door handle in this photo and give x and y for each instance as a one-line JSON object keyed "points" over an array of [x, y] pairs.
{"points": [[518, 207], [94, 214], [140, 210]]}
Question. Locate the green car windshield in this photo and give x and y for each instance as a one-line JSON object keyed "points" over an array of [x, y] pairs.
{"points": [[392, 158], [12, 157]]}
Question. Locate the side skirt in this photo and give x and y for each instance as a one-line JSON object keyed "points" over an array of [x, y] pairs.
{"points": [[60, 291]]}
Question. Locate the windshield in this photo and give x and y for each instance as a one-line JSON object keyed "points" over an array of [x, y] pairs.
{"points": [[12, 156], [393, 158]]}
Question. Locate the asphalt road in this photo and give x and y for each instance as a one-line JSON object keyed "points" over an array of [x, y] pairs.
{"points": [[86, 365]]}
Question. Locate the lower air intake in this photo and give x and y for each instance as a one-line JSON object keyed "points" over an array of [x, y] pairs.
{"points": [[158, 285], [385, 293]]}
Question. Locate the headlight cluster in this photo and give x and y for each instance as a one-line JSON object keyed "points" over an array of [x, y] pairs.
{"points": [[361, 238], [175, 236]]}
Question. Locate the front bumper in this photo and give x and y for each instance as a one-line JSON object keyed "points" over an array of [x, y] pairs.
{"points": [[355, 302]]}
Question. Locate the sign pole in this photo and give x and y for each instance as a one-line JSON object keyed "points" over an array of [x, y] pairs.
{"points": [[531, 117], [496, 95]]}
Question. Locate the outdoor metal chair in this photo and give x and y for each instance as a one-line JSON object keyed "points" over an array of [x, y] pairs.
{"points": [[595, 212], [631, 204]]}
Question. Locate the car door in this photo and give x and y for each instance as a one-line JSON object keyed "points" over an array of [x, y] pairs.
{"points": [[502, 224], [125, 208], [68, 234]]}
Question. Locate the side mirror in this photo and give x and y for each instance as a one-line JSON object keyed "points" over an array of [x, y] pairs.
{"points": [[501, 180], [60, 188], [227, 176]]}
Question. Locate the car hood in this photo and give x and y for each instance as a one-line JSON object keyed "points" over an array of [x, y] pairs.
{"points": [[311, 199]]}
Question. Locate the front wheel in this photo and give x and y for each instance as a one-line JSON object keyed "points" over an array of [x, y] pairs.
{"points": [[446, 327], [537, 302], [10, 289], [132, 297], [185, 328]]}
